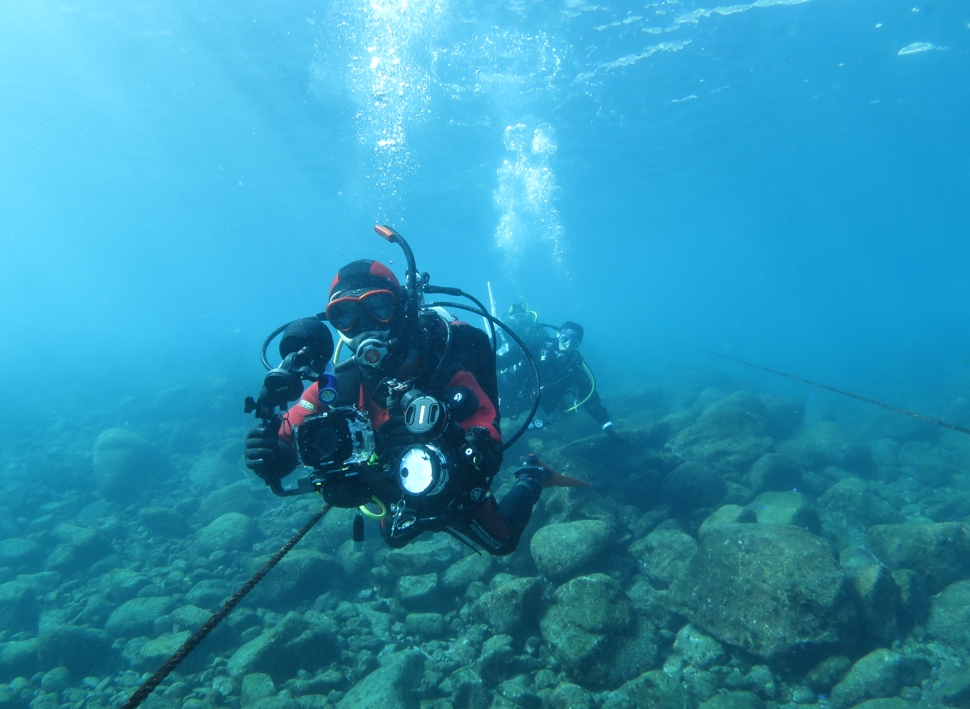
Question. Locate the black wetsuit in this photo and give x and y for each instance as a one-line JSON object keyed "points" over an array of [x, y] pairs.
{"points": [[565, 383]]}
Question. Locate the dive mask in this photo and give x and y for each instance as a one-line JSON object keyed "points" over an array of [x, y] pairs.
{"points": [[344, 312]]}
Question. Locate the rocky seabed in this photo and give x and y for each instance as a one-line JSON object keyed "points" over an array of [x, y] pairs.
{"points": [[731, 554]]}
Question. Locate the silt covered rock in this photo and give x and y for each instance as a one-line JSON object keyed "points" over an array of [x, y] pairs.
{"points": [[881, 673], [302, 575], [850, 504], [593, 631], [562, 551], [512, 606], [939, 553], [231, 531], [769, 590], [123, 464], [664, 555]]}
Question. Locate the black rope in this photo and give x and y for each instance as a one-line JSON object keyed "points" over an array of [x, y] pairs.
{"points": [[938, 422], [165, 670]]}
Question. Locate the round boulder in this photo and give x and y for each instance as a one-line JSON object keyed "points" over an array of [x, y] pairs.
{"points": [[231, 531], [123, 463], [563, 551], [694, 486], [768, 589], [593, 631]]}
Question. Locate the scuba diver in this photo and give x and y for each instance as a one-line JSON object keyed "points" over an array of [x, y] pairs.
{"points": [[408, 422], [514, 362], [567, 383]]}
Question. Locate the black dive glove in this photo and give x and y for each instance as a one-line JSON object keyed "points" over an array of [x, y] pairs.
{"points": [[267, 455], [394, 434]]}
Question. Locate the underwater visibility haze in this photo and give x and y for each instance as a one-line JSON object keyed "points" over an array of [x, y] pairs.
{"points": [[784, 182]]}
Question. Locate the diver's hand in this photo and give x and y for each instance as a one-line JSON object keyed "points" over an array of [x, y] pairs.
{"points": [[610, 432], [393, 433], [267, 455]]}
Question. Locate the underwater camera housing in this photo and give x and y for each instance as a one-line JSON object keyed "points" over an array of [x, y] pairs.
{"points": [[334, 440], [339, 445]]}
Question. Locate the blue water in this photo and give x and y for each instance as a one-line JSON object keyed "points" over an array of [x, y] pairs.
{"points": [[775, 182]]}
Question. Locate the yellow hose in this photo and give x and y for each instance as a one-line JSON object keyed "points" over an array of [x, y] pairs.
{"points": [[374, 515], [592, 388]]}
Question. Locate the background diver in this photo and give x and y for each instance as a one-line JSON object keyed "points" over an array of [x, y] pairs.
{"points": [[566, 381], [432, 473]]}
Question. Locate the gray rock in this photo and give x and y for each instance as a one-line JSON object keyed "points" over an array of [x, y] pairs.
{"points": [[390, 686], [229, 532], [950, 615], [18, 606], [881, 673], [923, 463], [422, 557], [124, 465], [474, 567], [570, 696], [419, 592], [664, 555], [41, 583], [693, 486], [563, 551], [295, 643], [211, 471], [56, 680], [18, 658], [774, 473], [208, 593], [727, 514], [789, 507], [733, 700], [137, 616], [121, 585], [512, 606], [83, 651], [153, 653], [822, 444], [301, 576], [827, 673], [426, 625], [80, 548], [493, 660], [733, 432], [850, 504], [698, 649], [256, 686], [654, 688], [593, 631], [468, 690], [953, 685], [888, 703], [877, 596], [278, 702], [939, 553], [163, 521], [237, 497], [20, 554], [767, 589]]}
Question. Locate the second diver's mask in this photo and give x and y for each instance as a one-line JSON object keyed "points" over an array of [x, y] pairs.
{"points": [[569, 340]]}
